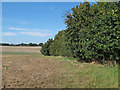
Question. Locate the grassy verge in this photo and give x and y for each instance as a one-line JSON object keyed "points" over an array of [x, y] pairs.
{"points": [[90, 76], [80, 75], [86, 75]]}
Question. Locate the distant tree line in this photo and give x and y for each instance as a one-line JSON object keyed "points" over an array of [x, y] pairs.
{"points": [[92, 34], [21, 44]]}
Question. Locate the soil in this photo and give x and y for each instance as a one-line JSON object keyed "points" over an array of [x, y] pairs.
{"points": [[25, 67], [28, 71]]}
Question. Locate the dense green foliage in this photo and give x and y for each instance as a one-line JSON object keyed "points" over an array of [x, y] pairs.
{"points": [[92, 34], [46, 47]]}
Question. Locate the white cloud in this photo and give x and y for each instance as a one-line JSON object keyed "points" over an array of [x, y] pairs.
{"points": [[36, 34], [39, 30], [9, 34], [11, 28]]}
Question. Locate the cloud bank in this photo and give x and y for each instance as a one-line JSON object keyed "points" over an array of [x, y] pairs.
{"points": [[39, 34], [9, 34], [11, 28]]}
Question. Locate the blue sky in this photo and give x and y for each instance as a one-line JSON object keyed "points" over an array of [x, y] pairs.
{"points": [[36, 22]]}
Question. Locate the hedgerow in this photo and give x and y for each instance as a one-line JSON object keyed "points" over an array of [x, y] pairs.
{"points": [[92, 34], [46, 47]]}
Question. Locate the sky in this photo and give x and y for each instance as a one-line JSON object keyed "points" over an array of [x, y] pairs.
{"points": [[36, 22]]}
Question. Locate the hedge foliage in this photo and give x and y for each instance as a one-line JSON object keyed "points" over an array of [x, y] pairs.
{"points": [[92, 34]]}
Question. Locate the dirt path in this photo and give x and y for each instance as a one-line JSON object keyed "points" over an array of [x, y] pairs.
{"points": [[26, 71]]}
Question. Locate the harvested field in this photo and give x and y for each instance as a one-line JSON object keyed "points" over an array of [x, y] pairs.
{"points": [[21, 49], [28, 71], [25, 67]]}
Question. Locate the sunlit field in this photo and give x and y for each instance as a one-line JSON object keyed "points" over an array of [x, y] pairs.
{"points": [[25, 67]]}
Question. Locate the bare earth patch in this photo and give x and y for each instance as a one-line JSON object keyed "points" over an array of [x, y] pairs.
{"points": [[25, 67], [29, 72]]}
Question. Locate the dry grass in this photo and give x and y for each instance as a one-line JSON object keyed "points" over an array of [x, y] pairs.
{"points": [[25, 67]]}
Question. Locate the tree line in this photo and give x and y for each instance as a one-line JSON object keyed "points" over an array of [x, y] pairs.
{"points": [[92, 34], [21, 44]]}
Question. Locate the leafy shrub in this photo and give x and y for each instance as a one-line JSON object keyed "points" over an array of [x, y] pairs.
{"points": [[46, 47], [92, 34]]}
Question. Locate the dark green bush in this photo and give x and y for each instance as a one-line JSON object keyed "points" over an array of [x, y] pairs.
{"points": [[92, 34], [46, 47]]}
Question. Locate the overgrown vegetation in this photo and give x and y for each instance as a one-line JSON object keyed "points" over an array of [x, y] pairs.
{"points": [[46, 47], [92, 34]]}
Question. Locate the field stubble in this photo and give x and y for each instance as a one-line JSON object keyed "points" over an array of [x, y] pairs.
{"points": [[25, 67]]}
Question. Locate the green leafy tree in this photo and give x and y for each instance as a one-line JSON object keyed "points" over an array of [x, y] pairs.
{"points": [[46, 47], [40, 44], [92, 34]]}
